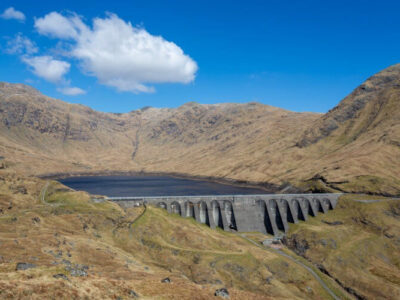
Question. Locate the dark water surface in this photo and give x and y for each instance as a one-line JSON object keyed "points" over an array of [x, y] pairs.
{"points": [[141, 185]]}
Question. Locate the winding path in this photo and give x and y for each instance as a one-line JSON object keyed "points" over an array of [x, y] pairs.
{"points": [[43, 196], [43, 193], [309, 270]]}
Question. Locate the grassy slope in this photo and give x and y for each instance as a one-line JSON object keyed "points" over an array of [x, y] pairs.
{"points": [[124, 256], [126, 253], [362, 252]]}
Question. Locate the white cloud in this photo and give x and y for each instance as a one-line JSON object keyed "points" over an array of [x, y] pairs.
{"points": [[47, 67], [71, 91], [11, 13], [56, 25], [21, 45], [118, 54]]}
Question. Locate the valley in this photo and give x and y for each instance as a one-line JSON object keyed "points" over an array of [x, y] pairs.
{"points": [[56, 242], [352, 148]]}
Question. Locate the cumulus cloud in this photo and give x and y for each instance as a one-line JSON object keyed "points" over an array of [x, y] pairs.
{"points": [[71, 91], [47, 67], [21, 45], [118, 54], [56, 25], [12, 13]]}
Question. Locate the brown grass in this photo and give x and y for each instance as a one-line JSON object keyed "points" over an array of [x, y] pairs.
{"points": [[124, 256], [246, 142], [363, 251]]}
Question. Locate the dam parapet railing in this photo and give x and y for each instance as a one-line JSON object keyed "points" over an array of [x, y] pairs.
{"points": [[265, 213]]}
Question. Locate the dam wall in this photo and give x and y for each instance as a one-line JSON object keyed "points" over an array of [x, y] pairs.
{"points": [[270, 213]]}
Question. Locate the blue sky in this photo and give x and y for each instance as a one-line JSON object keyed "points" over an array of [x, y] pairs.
{"points": [[298, 55]]}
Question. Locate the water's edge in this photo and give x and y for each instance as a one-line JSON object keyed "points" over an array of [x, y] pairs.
{"points": [[268, 187]]}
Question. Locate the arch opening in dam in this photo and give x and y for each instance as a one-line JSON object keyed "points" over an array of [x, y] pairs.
{"points": [[245, 213], [307, 207], [217, 215], [326, 203], [203, 213], [189, 209], [318, 205], [289, 213], [266, 224], [229, 215], [162, 205], [276, 214], [176, 208], [297, 210]]}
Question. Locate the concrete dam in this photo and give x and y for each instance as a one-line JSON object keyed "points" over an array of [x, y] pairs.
{"points": [[245, 213]]}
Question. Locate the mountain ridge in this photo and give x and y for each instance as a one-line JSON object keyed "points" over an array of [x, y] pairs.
{"points": [[352, 148], [348, 108]]}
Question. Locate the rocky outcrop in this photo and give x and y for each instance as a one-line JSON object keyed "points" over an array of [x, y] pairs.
{"points": [[24, 266], [166, 280], [222, 293], [297, 244]]}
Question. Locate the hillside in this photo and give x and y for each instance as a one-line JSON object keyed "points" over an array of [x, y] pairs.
{"points": [[57, 243], [355, 147], [358, 245]]}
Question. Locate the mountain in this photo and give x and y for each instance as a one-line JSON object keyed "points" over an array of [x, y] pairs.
{"points": [[355, 147], [361, 136], [372, 105], [59, 243]]}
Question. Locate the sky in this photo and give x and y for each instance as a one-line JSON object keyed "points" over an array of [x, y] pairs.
{"points": [[118, 56]]}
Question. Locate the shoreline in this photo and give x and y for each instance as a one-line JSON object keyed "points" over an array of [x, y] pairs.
{"points": [[268, 187]]}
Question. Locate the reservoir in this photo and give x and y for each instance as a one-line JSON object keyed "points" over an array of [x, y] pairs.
{"points": [[145, 185]]}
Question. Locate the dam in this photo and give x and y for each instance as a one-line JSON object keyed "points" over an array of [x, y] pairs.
{"points": [[225, 206], [269, 213]]}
